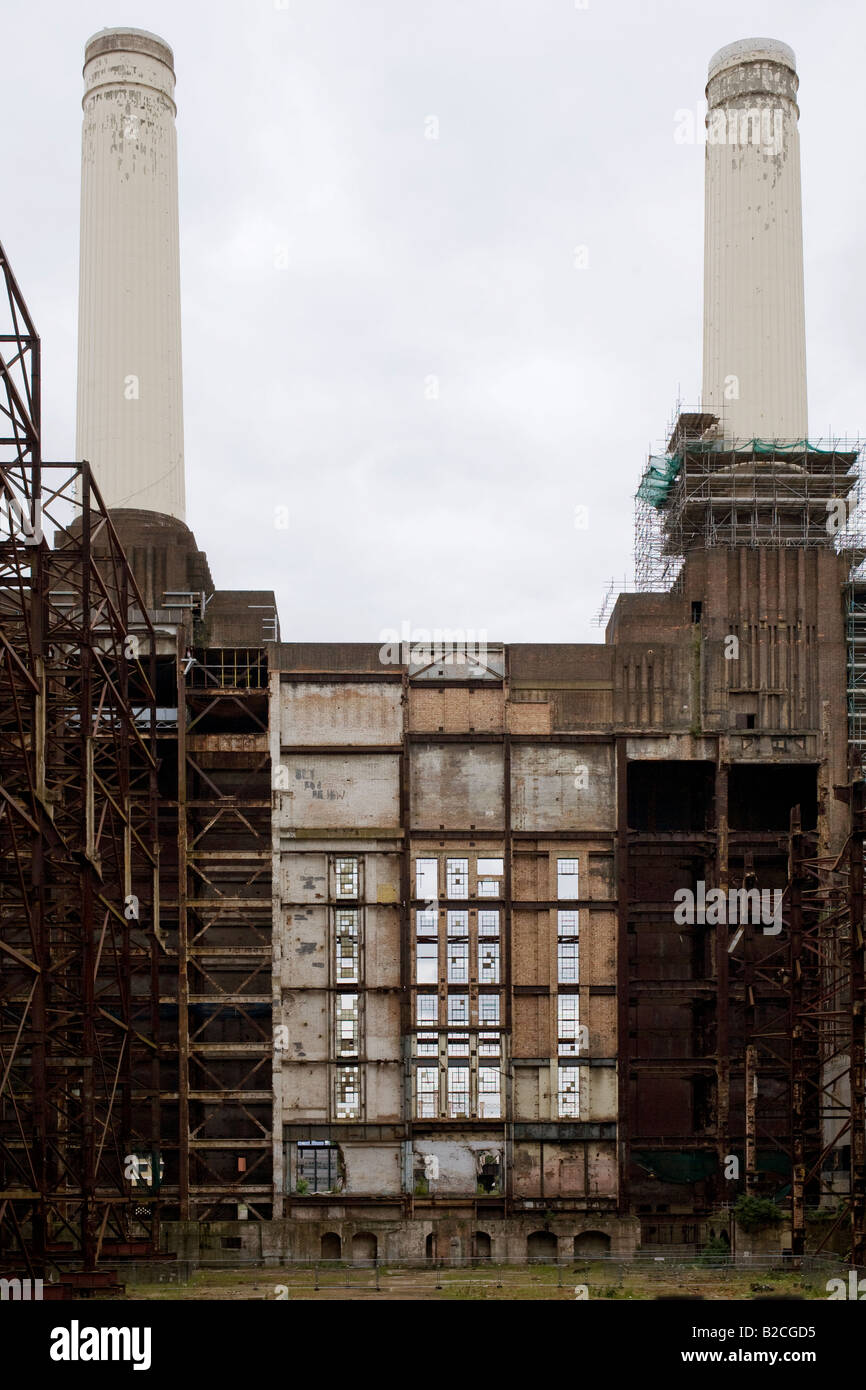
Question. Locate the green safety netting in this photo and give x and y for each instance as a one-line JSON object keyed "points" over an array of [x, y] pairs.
{"points": [[661, 470], [670, 1166]]}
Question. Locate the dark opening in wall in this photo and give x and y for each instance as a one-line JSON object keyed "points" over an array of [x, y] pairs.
{"points": [[670, 796], [697, 610], [761, 798]]}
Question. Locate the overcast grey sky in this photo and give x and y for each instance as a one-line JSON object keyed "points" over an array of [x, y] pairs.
{"points": [[392, 335]]}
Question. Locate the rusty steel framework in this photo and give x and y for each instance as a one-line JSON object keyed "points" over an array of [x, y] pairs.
{"points": [[224, 911], [804, 1008], [79, 1025]]}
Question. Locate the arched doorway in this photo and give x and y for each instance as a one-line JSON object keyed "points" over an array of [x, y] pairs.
{"points": [[542, 1246], [591, 1243], [332, 1246], [481, 1244], [364, 1247], [430, 1246]]}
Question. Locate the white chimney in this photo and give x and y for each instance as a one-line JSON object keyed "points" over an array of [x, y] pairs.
{"points": [[754, 316], [130, 400]]}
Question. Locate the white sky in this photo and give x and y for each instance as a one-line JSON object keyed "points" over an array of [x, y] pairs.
{"points": [[410, 258]]}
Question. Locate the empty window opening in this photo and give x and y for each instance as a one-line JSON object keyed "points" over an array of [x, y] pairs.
{"points": [[489, 1099], [541, 1246], [427, 963], [590, 1243], [670, 796], [457, 878], [316, 1167], [567, 878], [568, 1010], [331, 1246], [458, 1093], [490, 868], [346, 871], [762, 798], [427, 879], [697, 610]]}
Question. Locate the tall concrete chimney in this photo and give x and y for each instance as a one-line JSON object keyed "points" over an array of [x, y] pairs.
{"points": [[130, 400], [754, 316]]}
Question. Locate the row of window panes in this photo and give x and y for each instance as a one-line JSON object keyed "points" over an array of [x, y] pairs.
{"points": [[568, 1096], [427, 922], [428, 1100], [427, 1010], [457, 1044], [489, 873], [427, 962]]}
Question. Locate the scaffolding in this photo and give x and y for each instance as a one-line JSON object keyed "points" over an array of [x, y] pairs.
{"points": [[80, 1091], [706, 491], [804, 1013]]}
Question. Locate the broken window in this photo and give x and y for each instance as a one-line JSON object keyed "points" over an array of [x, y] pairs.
{"points": [[347, 946], [347, 1025], [346, 872], [458, 1044], [458, 1093], [569, 1092], [348, 1093], [458, 962], [488, 962], [567, 923], [427, 963], [568, 963], [457, 878], [488, 888], [458, 923], [427, 879], [316, 1164], [489, 1101], [491, 868], [566, 878], [488, 923], [427, 1044], [427, 921], [488, 1010], [427, 1093], [458, 1008], [568, 1012], [427, 1009]]}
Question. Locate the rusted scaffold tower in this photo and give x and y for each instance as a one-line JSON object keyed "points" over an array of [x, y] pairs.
{"points": [[803, 995], [79, 987]]}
